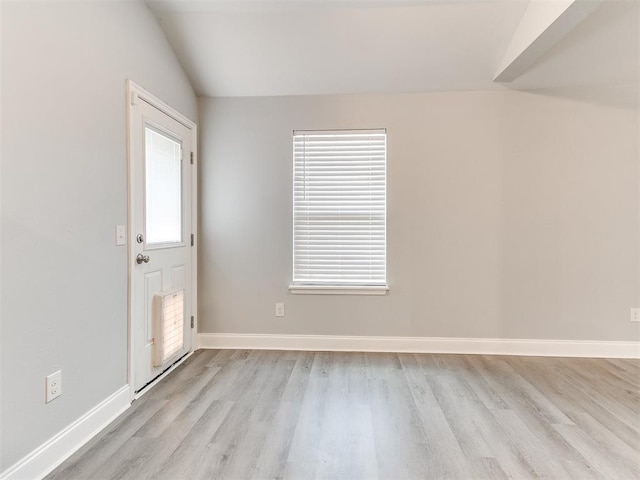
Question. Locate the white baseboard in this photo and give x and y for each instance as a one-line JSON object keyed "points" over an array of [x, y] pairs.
{"points": [[484, 346], [53, 452]]}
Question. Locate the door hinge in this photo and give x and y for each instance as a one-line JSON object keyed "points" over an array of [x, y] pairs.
{"points": [[193, 239], [191, 158], [193, 322]]}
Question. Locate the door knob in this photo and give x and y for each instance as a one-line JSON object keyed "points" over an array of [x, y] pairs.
{"points": [[142, 259]]}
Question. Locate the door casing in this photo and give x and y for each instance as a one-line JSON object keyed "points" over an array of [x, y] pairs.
{"points": [[135, 93]]}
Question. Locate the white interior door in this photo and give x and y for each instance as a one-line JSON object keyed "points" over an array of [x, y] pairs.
{"points": [[160, 239]]}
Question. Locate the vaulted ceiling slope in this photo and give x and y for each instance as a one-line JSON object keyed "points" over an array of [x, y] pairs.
{"points": [[312, 47]]}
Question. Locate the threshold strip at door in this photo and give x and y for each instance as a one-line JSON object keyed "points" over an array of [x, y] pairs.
{"points": [[147, 386]]}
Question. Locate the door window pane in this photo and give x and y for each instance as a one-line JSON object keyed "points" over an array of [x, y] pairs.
{"points": [[163, 188]]}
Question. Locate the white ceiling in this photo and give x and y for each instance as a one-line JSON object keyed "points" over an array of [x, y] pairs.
{"points": [[310, 47]]}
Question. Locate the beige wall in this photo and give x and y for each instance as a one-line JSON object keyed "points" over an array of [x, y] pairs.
{"points": [[64, 188], [510, 215]]}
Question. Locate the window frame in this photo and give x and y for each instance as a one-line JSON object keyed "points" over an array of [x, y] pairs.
{"points": [[312, 288]]}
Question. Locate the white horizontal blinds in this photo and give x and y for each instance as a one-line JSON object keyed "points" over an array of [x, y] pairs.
{"points": [[339, 207]]}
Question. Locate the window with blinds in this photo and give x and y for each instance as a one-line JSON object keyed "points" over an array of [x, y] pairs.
{"points": [[339, 208]]}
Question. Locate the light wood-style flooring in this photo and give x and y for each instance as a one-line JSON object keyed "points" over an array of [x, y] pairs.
{"points": [[249, 414]]}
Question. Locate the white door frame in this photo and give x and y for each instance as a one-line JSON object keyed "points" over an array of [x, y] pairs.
{"points": [[135, 94]]}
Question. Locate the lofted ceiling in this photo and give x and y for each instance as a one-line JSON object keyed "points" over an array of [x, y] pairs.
{"points": [[311, 47]]}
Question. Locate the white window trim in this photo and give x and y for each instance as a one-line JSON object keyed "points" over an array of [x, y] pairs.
{"points": [[338, 290]]}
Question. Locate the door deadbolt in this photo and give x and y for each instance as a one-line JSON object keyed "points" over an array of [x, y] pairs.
{"points": [[139, 238]]}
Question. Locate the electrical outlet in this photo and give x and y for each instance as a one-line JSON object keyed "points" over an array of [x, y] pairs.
{"points": [[53, 386], [279, 309], [635, 315]]}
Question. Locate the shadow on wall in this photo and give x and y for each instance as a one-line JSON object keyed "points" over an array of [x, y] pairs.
{"points": [[617, 96]]}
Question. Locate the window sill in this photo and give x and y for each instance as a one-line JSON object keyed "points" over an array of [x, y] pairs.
{"points": [[338, 290]]}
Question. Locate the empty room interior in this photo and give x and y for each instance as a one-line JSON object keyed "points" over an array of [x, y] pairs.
{"points": [[320, 239]]}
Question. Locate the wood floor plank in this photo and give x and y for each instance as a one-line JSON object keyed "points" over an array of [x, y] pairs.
{"points": [[346, 448], [186, 458], [618, 396], [86, 461], [304, 451], [258, 415], [440, 442], [233, 450]]}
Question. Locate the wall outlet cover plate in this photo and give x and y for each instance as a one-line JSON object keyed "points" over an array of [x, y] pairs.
{"points": [[53, 386]]}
